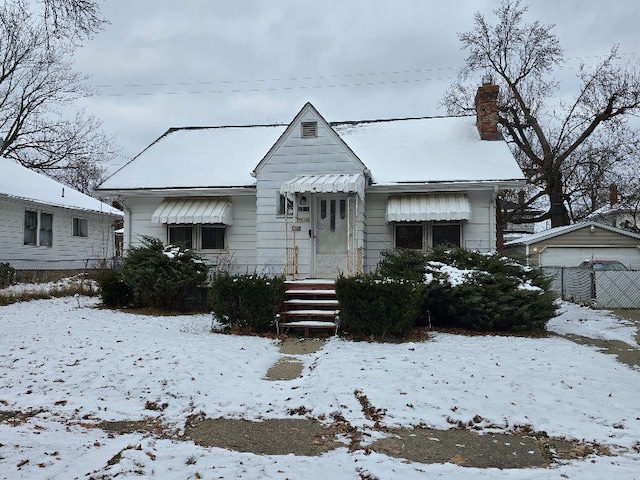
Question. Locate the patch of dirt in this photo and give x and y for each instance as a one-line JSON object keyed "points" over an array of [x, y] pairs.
{"points": [[16, 417], [304, 437], [465, 448], [149, 425], [482, 450], [523, 448]]}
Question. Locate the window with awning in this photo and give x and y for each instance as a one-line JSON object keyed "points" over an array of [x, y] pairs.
{"points": [[430, 207], [194, 211]]}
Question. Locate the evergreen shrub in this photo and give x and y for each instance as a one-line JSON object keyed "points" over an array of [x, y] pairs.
{"points": [[485, 292], [246, 301], [402, 264], [370, 305], [114, 292], [168, 278], [7, 275]]}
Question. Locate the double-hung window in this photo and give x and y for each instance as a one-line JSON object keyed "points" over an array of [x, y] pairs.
{"points": [[38, 228], [409, 235], [445, 234], [30, 227], [198, 237], [181, 236], [285, 205], [212, 237], [416, 236], [80, 227]]}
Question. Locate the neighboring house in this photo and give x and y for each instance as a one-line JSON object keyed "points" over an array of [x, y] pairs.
{"points": [[570, 245], [622, 214], [48, 226], [313, 199]]}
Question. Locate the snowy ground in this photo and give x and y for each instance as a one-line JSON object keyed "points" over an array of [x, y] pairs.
{"points": [[79, 365]]}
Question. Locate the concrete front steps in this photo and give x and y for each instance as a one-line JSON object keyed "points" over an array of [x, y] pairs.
{"points": [[309, 305]]}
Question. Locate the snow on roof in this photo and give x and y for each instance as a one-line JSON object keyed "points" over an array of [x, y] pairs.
{"points": [[429, 150], [20, 182], [395, 151], [554, 232], [198, 157], [618, 208]]}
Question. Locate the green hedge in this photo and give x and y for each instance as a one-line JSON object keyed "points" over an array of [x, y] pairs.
{"points": [[370, 305], [485, 292], [246, 301], [402, 264], [113, 291], [167, 278]]}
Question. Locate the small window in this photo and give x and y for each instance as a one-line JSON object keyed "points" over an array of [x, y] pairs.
{"points": [[309, 129], [80, 227], [46, 229], [285, 205], [446, 234], [181, 236], [213, 237], [409, 235], [30, 227]]}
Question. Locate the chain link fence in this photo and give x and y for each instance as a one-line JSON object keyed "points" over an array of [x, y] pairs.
{"points": [[31, 270], [606, 289]]}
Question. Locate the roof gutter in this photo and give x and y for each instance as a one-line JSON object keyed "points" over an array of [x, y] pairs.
{"points": [[180, 191], [404, 187]]}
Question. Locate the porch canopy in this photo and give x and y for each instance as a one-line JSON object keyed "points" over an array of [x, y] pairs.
{"points": [[425, 208], [194, 210], [330, 183]]}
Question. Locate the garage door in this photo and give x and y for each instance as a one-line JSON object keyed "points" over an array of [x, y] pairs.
{"points": [[573, 256]]}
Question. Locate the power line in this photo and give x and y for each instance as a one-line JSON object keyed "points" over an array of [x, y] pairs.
{"points": [[272, 89], [300, 79], [263, 80]]}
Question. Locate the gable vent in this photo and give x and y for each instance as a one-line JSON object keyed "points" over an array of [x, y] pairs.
{"points": [[309, 129]]}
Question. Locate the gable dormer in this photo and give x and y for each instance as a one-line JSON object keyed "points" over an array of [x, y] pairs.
{"points": [[309, 145]]}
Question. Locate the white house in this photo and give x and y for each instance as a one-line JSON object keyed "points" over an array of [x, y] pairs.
{"points": [[45, 225], [312, 199], [623, 214]]}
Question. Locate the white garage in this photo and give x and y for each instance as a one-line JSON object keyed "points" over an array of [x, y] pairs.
{"points": [[570, 245], [559, 256]]}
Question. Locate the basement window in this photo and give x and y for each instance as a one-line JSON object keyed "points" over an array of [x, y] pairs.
{"points": [[309, 129]]}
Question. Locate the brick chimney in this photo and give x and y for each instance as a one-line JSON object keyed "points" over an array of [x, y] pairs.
{"points": [[487, 111]]}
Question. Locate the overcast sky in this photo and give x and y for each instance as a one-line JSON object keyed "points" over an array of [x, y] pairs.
{"points": [[162, 63]]}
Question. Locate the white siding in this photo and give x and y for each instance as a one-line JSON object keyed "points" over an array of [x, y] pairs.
{"points": [[240, 253], [379, 235], [67, 251], [480, 232], [294, 156]]}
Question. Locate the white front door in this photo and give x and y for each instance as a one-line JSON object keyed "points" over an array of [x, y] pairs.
{"points": [[330, 226]]}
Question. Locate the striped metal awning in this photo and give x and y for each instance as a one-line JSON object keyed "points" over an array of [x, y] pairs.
{"points": [[432, 207], [194, 211], [330, 183]]}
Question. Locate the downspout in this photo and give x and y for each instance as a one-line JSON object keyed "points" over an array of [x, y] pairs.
{"points": [[492, 221]]}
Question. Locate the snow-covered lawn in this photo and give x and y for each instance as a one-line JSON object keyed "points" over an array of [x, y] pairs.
{"points": [[79, 365]]}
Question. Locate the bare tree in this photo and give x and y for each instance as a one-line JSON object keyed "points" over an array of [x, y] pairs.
{"points": [[73, 19], [555, 142], [37, 89]]}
